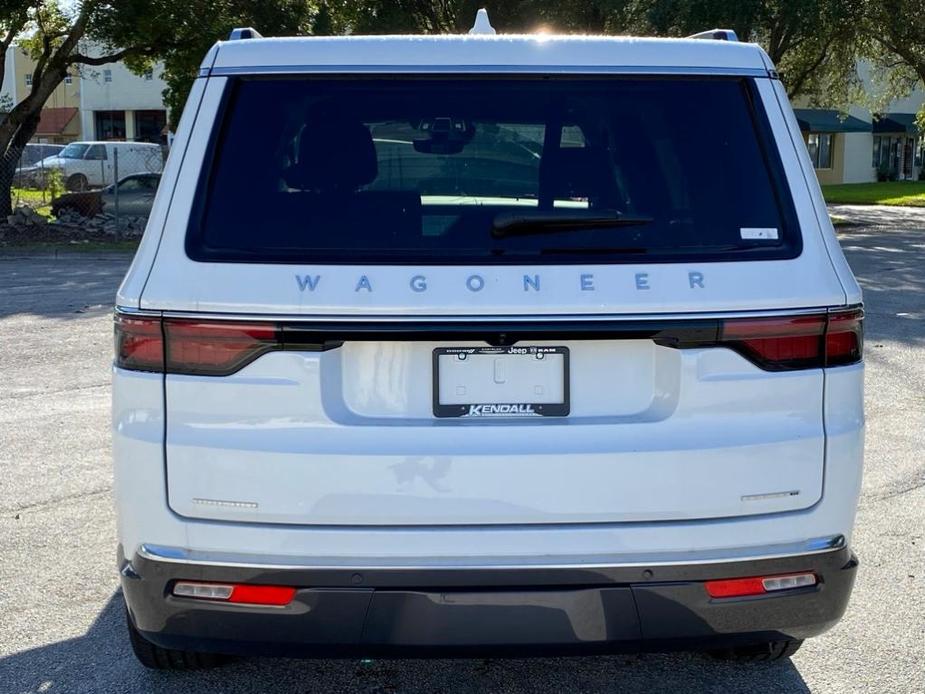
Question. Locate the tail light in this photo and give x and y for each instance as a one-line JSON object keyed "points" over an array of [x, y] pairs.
{"points": [[222, 347], [787, 343], [215, 348], [139, 343], [844, 338], [180, 346]]}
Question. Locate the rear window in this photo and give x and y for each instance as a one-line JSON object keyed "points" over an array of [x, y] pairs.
{"points": [[491, 170]]}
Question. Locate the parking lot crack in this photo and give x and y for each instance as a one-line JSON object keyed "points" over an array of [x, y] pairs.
{"points": [[38, 505], [34, 394]]}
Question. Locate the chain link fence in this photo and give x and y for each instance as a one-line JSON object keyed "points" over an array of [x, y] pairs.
{"points": [[103, 188]]}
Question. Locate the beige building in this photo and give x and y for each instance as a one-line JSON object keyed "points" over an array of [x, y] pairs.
{"points": [[94, 103], [860, 147], [60, 121]]}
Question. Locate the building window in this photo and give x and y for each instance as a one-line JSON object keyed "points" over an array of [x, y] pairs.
{"points": [[878, 152], [28, 79], [151, 126], [107, 75], [110, 125], [68, 78], [149, 75], [820, 149], [920, 152]]}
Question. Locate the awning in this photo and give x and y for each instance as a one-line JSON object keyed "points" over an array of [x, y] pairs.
{"points": [[823, 120], [896, 123], [53, 121]]}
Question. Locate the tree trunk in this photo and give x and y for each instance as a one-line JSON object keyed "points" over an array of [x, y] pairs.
{"points": [[19, 129]]}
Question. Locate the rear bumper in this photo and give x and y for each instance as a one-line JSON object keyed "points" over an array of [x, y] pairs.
{"points": [[497, 611]]}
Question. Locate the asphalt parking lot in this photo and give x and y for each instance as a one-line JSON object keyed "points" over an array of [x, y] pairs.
{"points": [[61, 622]]}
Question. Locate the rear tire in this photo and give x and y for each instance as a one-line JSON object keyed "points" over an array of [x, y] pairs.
{"points": [[758, 653], [76, 183], [157, 658]]}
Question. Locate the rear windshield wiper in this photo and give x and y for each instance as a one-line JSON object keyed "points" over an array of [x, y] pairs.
{"points": [[528, 223]]}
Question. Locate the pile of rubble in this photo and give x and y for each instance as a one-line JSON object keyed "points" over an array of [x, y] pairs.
{"points": [[26, 226], [25, 216], [128, 227]]}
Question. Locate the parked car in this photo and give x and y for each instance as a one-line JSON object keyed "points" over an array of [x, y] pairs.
{"points": [[27, 174], [386, 382], [34, 152], [85, 165], [135, 194]]}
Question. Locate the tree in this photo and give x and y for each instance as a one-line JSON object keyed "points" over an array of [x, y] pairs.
{"points": [[53, 37], [457, 16], [63, 36], [180, 32], [896, 29], [813, 43]]}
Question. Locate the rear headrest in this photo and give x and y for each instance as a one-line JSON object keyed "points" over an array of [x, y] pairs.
{"points": [[335, 155]]}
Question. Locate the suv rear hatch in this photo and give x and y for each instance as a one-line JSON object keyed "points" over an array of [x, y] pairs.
{"points": [[366, 261]]}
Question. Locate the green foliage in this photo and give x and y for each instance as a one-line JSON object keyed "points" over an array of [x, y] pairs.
{"points": [[179, 33], [54, 183], [814, 43], [896, 43]]}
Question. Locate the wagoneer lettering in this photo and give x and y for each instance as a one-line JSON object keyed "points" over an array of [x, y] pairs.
{"points": [[531, 282], [543, 364]]}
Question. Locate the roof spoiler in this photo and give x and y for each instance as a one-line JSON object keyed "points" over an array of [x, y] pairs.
{"points": [[716, 35]]}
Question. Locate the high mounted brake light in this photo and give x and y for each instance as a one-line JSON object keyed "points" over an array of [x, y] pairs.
{"points": [[222, 347]]}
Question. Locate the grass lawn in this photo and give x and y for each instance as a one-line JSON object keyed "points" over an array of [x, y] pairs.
{"points": [[33, 198], [908, 193]]}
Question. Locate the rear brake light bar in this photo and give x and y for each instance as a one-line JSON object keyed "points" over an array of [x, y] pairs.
{"points": [[221, 347]]}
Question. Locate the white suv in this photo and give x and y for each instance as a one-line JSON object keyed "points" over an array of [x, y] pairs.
{"points": [[486, 344]]}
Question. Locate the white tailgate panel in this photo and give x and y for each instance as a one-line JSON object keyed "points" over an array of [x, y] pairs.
{"points": [[654, 434]]}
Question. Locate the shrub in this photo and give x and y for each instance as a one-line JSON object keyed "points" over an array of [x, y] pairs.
{"points": [[54, 183]]}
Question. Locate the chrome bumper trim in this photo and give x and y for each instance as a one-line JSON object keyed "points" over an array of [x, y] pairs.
{"points": [[177, 555]]}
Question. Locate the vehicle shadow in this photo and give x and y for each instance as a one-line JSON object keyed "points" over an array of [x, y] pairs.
{"points": [[888, 266], [100, 661], [65, 286]]}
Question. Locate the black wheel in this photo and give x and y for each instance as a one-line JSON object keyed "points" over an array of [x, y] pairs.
{"points": [[158, 658], [76, 183], [762, 652]]}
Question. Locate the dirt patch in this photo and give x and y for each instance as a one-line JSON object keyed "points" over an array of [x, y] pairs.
{"points": [[52, 234]]}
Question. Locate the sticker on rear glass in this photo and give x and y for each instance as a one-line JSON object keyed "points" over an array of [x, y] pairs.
{"points": [[759, 233]]}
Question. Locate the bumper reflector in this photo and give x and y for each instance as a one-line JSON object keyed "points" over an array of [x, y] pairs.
{"points": [[239, 593], [206, 591], [758, 585]]}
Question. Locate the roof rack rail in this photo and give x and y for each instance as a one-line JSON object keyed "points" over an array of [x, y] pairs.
{"points": [[716, 35], [244, 33]]}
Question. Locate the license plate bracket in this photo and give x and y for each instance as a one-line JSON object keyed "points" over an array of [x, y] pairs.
{"points": [[515, 381]]}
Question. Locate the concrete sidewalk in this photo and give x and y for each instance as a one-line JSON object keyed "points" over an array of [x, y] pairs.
{"points": [[881, 215]]}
